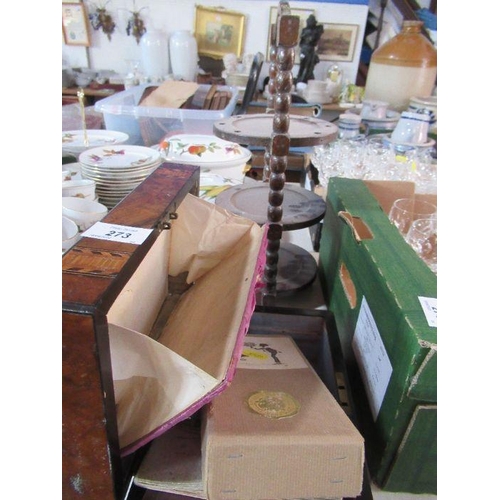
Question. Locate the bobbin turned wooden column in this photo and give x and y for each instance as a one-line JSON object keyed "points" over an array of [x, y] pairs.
{"points": [[273, 69], [282, 207], [281, 83]]}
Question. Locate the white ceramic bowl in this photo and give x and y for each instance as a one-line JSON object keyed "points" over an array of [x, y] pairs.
{"points": [[83, 80], [385, 124], [70, 234], [82, 211], [83, 188], [74, 170], [429, 102], [318, 97], [205, 151]]}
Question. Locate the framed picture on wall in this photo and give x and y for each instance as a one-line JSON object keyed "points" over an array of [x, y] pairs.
{"points": [[303, 14], [75, 24], [219, 32], [337, 42]]}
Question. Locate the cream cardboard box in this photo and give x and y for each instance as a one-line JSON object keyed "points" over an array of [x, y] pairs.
{"points": [[275, 433]]}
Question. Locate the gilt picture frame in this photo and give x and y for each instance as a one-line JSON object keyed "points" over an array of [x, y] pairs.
{"points": [[337, 43], [303, 14], [219, 32], [75, 24]]}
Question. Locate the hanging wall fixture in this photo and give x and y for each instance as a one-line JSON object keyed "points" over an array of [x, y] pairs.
{"points": [[101, 20], [135, 25]]}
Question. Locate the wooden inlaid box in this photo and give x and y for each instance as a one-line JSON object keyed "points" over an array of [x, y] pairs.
{"points": [[151, 330]]}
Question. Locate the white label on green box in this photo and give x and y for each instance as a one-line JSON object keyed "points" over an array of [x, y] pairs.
{"points": [[373, 361], [430, 307]]}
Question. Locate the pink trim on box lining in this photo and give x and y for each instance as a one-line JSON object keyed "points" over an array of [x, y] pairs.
{"points": [[238, 349]]}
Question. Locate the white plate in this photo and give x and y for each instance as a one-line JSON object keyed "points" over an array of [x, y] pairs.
{"points": [[206, 151], [109, 159], [74, 140], [118, 173]]}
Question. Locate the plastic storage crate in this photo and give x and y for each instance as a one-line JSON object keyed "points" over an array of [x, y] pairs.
{"points": [[148, 125]]}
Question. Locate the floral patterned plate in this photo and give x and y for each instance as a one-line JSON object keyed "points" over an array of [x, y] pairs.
{"points": [[206, 151], [73, 141], [121, 158]]}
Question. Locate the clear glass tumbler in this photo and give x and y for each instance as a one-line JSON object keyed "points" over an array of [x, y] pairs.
{"points": [[422, 237], [405, 210]]}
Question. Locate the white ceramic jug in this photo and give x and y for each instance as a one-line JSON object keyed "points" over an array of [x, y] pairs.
{"points": [[412, 128], [348, 124]]}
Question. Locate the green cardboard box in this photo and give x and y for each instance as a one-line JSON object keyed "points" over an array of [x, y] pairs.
{"points": [[384, 299]]}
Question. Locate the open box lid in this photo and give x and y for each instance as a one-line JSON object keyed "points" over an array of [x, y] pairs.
{"points": [[125, 286], [159, 382]]}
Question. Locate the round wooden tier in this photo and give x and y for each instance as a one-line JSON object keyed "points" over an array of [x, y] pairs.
{"points": [[257, 129], [301, 208], [297, 268]]}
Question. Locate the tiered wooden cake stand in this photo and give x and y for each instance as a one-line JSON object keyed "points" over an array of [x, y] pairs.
{"points": [[301, 208], [288, 207]]}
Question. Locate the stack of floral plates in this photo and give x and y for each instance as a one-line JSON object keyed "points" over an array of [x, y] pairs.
{"points": [[117, 170], [77, 141]]}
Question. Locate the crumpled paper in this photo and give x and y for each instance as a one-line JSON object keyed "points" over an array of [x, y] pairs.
{"points": [[170, 94]]}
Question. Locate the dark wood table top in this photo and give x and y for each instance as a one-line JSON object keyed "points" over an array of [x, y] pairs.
{"points": [[301, 208], [256, 130]]}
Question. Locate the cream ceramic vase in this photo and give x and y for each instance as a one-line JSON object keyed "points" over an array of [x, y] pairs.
{"points": [[155, 55], [184, 55]]}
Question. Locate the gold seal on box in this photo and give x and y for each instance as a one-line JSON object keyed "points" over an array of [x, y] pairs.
{"points": [[273, 404]]}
